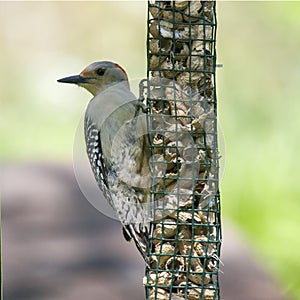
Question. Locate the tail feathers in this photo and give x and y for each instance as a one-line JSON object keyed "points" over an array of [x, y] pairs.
{"points": [[139, 237]]}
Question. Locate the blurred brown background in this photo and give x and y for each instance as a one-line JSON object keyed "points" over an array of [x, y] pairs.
{"points": [[56, 245]]}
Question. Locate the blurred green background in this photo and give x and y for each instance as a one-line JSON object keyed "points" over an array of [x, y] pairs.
{"points": [[258, 93]]}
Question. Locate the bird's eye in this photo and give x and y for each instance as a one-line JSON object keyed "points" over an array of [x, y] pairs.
{"points": [[100, 71]]}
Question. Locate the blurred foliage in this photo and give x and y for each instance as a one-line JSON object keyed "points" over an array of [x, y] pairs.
{"points": [[43, 41], [258, 94]]}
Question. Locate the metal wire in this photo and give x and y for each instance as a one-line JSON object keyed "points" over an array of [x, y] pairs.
{"points": [[185, 240]]}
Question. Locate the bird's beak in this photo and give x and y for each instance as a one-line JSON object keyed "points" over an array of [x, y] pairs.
{"points": [[76, 79]]}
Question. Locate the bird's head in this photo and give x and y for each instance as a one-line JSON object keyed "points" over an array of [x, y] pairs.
{"points": [[98, 76]]}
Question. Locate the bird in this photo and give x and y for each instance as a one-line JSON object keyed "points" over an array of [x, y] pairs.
{"points": [[117, 146]]}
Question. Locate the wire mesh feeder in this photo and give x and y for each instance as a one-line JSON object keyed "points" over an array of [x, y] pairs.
{"points": [[184, 245]]}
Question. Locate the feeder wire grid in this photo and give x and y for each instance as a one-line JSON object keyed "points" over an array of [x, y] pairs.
{"points": [[185, 236]]}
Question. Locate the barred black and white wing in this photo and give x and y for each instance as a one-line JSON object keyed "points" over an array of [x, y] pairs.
{"points": [[95, 156]]}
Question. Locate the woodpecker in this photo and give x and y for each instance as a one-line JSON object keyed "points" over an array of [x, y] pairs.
{"points": [[117, 145]]}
